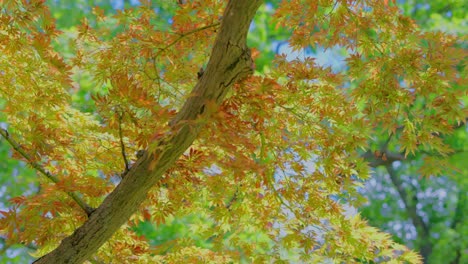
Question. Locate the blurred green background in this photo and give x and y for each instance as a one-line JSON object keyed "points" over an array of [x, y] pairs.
{"points": [[426, 214]]}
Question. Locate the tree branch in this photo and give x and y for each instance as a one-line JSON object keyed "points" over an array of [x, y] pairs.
{"points": [[384, 157], [459, 218], [230, 62], [183, 35], [122, 144], [410, 206], [82, 204], [459, 215]]}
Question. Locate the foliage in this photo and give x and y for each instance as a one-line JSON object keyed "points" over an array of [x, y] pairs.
{"points": [[406, 199], [280, 157]]}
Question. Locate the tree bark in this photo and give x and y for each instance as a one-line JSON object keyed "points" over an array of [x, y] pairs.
{"points": [[230, 61]]}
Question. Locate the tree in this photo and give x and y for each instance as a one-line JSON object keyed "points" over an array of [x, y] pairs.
{"points": [[420, 210], [276, 152]]}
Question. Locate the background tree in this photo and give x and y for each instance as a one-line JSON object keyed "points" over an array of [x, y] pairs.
{"points": [[278, 157], [424, 212]]}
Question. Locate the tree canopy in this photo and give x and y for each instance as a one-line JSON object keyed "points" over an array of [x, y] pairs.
{"points": [[175, 108], [426, 213]]}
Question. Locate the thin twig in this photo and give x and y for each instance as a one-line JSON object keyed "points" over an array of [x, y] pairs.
{"points": [[16, 146], [385, 145], [183, 35], [122, 145], [331, 11], [233, 199]]}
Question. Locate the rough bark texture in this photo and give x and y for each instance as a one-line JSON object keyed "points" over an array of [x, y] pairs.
{"points": [[230, 61]]}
